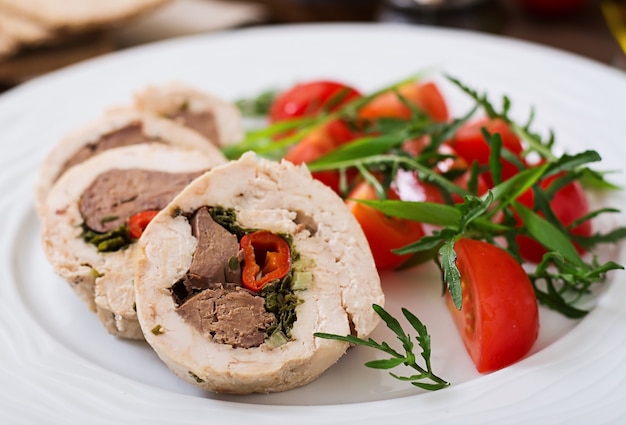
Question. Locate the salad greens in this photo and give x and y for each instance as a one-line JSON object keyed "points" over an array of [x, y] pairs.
{"points": [[560, 280]]}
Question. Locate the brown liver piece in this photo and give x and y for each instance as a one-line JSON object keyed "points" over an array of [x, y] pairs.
{"points": [[117, 194], [202, 122], [215, 248], [232, 316], [132, 134]]}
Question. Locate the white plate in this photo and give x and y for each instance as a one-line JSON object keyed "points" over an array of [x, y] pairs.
{"points": [[58, 366]]}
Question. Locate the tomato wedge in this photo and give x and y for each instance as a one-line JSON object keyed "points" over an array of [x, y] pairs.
{"points": [[425, 96], [410, 188], [470, 144], [568, 204], [310, 99], [499, 319], [383, 233]]}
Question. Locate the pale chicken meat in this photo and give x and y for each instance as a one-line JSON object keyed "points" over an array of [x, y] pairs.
{"points": [[217, 335], [95, 199]]}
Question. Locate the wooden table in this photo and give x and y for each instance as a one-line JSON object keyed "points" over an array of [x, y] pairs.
{"points": [[583, 31]]}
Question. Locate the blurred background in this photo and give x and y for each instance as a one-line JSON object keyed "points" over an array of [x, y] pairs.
{"points": [[38, 36]]}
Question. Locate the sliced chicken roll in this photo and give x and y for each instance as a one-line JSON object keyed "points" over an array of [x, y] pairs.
{"points": [[214, 118], [96, 212], [236, 275], [119, 127]]}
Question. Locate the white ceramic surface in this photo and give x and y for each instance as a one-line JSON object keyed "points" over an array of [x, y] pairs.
{"points": [[57, 364]]}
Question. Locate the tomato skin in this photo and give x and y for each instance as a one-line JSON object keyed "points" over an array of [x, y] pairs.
{"points": [[426, 96], [568, 204], [383, 233], [137, 223], [410, 188], [499, 320], [311, 98], [470, 145]]}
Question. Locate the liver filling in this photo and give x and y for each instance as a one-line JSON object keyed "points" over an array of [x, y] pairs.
{"points": [[117, 194], [210, 296], [202, 122], [132, 134], [230, 316], [215, 260]]}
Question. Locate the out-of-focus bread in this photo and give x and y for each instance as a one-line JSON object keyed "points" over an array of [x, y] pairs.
{"points": [[80, 14]]}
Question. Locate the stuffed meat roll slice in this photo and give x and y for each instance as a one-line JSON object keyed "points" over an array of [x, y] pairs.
{"points": [[117, 128], [214, 118], [235, 276], [97, 211]]}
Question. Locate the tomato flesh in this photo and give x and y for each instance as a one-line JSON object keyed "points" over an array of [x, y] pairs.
{"points": [[499, 319], [383, 233]]}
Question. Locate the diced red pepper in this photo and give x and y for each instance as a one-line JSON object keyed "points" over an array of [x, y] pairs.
{"points": [[267, 257], [137, 223]]}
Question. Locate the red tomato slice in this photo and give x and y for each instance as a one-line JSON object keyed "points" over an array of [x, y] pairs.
{"points": [[383, 233], [425, 96], [499, 320], [311, 98], [568, 204], [318, 143], [470, 145]]}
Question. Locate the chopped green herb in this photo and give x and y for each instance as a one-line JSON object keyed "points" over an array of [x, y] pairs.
{"points": [[110, 241], [257, 106], [281, 300], [95, 273], [301, 280], [196, 377], [108, 219], [276, 339]]}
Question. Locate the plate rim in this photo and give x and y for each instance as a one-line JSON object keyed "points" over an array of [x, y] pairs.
{"points": [[24, 90]]}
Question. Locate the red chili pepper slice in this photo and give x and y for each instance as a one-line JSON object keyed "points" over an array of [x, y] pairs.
{"points": [[137, 223], [267, 257]]}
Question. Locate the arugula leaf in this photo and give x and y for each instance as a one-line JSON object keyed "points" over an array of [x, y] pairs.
{"points": [[547, 234], [513, 188], [561, 278], [257, 106], [451, 273], [423, 212], [425, 373], [559, 284]]}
